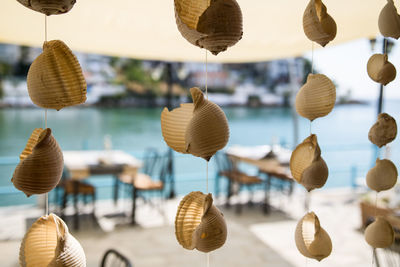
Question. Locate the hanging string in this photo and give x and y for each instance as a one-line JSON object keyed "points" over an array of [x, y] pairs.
{"points": [[312, 57], [45, 28], [208, 259], [310, 127], [45, 117], [206, 70], [385, 40], [206, 73]]}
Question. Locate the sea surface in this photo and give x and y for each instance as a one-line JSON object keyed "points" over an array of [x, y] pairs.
{"points": [[342, 135]]}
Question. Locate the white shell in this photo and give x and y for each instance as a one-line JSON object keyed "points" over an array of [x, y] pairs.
{"points": [[383, 176], [380, 69], [389, 21], [379, 234]]}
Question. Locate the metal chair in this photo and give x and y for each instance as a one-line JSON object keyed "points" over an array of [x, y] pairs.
{"points": [[113, 258]]}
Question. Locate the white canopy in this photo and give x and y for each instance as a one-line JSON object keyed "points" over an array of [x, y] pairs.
{"points": [[146, 29]]}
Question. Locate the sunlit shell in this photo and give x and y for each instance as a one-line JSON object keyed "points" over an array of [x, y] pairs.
{"points": [[316, 98], [41, 165], [389, 21], [380, 69], [379, 234], [383, 131], [49, 243], [49, 7], [55, 79], [200, 129], [382, 176], [213, 25], [199, 224], [311, 239], [318, 25], [307, 166]]}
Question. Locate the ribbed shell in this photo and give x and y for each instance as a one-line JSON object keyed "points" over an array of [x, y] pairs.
{"points": [[200, 129], [379, 234], [211, 24], [41, 165], [383, 131], [318, 25], [383, 176], [48, 243], [307, 166], [311, 239], [199, 224], [380, 69], [55, 79], [316, 98], [49, 7], [389, 21]]}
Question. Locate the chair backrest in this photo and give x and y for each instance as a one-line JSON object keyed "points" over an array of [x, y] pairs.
{"points": [[164, 169], [151, 158], [113, 258], [223, 162]]}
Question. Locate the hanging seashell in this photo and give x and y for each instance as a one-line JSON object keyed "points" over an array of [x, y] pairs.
{"points": [[380, 69], [389, 21], [199, 224], [311, 239], [49, 243], [41, 165], [55, 79], [382, 176], [383, 131], [379, 234], [49, 7], [200, 129], [316, 98], [307, 166], [214, 25], [318, 25]]}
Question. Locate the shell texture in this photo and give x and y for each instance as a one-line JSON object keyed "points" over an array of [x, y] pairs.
{"points": [[383, 131], [383, 176], [380, 69], [389, 21], [49, 7], [379, 234], [55, 79]]}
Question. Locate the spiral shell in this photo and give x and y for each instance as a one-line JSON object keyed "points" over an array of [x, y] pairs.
{"points": [[213, 25], [311, 239], [55, 79], [199, 224], [318, 25], [382, 176], [380, 69], [379, 234], [41, 165], [307, 166], [316, 98], [49, 7], [49, 243], [383, 131], [200, 129], [389, 21]]}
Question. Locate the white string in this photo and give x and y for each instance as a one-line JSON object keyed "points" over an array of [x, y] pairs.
{"points": [[207, 177], [206, 74], [45, 119], [208, 259], [312, 57], [310, 127], [45, 28]]}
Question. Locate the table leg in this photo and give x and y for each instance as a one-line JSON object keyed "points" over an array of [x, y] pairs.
{"points": [[116, 189], [134, 196], [267, 206], [76, 215]]}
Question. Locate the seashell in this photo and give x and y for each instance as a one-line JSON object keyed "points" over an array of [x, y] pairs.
{"points": [[311, 239], [213, 25], [49, 243], [200, 129], [316, 98], [199, 224], [318, 25], [382, 176], [41, 165], [49, 7], [379, 234], [389, 21], [307, 166], [380, 69], [383, 131], [55, 79]]}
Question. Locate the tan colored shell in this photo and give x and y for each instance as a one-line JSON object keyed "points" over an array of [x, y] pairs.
{"points": [[200, 129], [311, 239], [49, 243], [41, 165], [199, 224], [211, 24], [382, 176], [307, 166], [55, 79], [316, 98], [49, 7], [379, 234], [318, 25], [383, 131], [389, 21], [380, 69]]}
